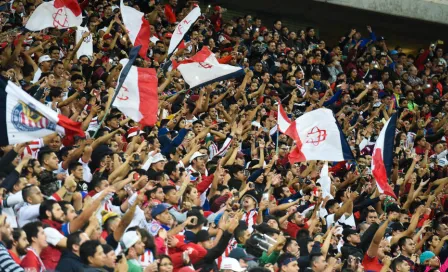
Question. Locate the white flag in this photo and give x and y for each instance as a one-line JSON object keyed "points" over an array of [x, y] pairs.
{"points": [[87, 45]]}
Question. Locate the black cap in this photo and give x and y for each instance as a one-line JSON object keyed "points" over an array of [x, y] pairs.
{"points": [[347, 232], [381, 38]]}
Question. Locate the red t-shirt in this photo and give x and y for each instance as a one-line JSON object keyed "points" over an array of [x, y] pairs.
{"points": [[371, 264], [14, 257], [293, 229], [31, 261]]}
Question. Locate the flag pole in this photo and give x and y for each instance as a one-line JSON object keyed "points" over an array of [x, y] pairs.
{"points": [[132, 56], [276, 139]]}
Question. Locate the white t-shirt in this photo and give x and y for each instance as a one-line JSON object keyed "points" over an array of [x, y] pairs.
{"points": [[53, 236], [27, 213]]}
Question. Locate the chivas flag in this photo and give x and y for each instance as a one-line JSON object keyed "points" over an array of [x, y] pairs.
{"points": [[58, 14], [203, 69], [138, 28], [382, 158], [137, 95], [182, 28], [317, 137], [23, 118]]}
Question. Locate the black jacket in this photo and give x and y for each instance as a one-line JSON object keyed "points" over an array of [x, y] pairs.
{"points": [[70, 262], [208, 263]]}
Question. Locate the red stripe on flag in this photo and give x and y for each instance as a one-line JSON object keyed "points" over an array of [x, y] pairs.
{"points": [[379, 173], [295, 155], [71, 127], [149, 100], [200, 56], [143, 38], [70, 4]]}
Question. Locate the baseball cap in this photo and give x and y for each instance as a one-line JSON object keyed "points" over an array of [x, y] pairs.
{"points": [[158, 209], [129, 239], [168, 35], [240, 253], [231, 264], [196, 154], [108, 215], [134, 131], [44, 58], [154, 159], [393, 52], [347, 232], [427, 255]]}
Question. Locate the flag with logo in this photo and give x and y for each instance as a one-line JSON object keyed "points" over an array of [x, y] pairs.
{"points": [[137, 26], [318, 137], [25, 119], [59, 14], [182, 28], [86, 48], [382, 158], [137, 95], [203, 69]]}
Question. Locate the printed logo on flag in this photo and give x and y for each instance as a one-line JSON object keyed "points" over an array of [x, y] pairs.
{"points": [[316, 136], [25, 118], [60, 19], [123, 94]]}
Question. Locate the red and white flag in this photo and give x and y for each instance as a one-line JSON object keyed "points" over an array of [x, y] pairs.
{"points": [[182, 28], [137, 27], [58, 14], [382, 158], [138, 98], [24, 119], [203, 69], [317, 137], [283, 120]]}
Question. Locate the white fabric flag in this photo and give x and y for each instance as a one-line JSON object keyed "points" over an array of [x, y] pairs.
{"points": [[182, 28], [87, 45]]}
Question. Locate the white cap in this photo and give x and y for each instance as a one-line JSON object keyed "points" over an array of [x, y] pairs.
{"points": [[231, 264], [157, 158], [44, 58], [196, 155], [129, 239]]}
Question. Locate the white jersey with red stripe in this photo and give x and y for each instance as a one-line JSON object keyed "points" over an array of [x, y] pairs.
{"points": [[232, 244], [250, 218], [33, 148], [146, 259]]}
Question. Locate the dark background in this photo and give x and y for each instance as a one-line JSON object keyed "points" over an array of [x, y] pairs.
{"points": [[333, 21]]}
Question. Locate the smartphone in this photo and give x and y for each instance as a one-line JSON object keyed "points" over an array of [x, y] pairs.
{"points": [[136, 157], [265, 196]]}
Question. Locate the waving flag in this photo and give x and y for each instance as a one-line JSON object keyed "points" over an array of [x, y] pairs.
{"points": [[24, 119], [203, 68], [137, 92], [137, 27], [58, 14], [325, 182], [86, 48], [182, 28], [318, 137], [283, 120], [382, 158]]}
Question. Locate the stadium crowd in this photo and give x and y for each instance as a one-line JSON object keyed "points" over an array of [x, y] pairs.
{"points": [[210, 186]]}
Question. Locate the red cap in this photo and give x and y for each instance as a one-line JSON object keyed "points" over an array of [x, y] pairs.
{"points": [[168, 35], [107, 36], [133, 131], [217, 8]]}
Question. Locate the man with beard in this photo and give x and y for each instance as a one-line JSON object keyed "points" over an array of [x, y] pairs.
{"points": [[52, 217], [134, 248], [17, 245], [6, 262]]}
